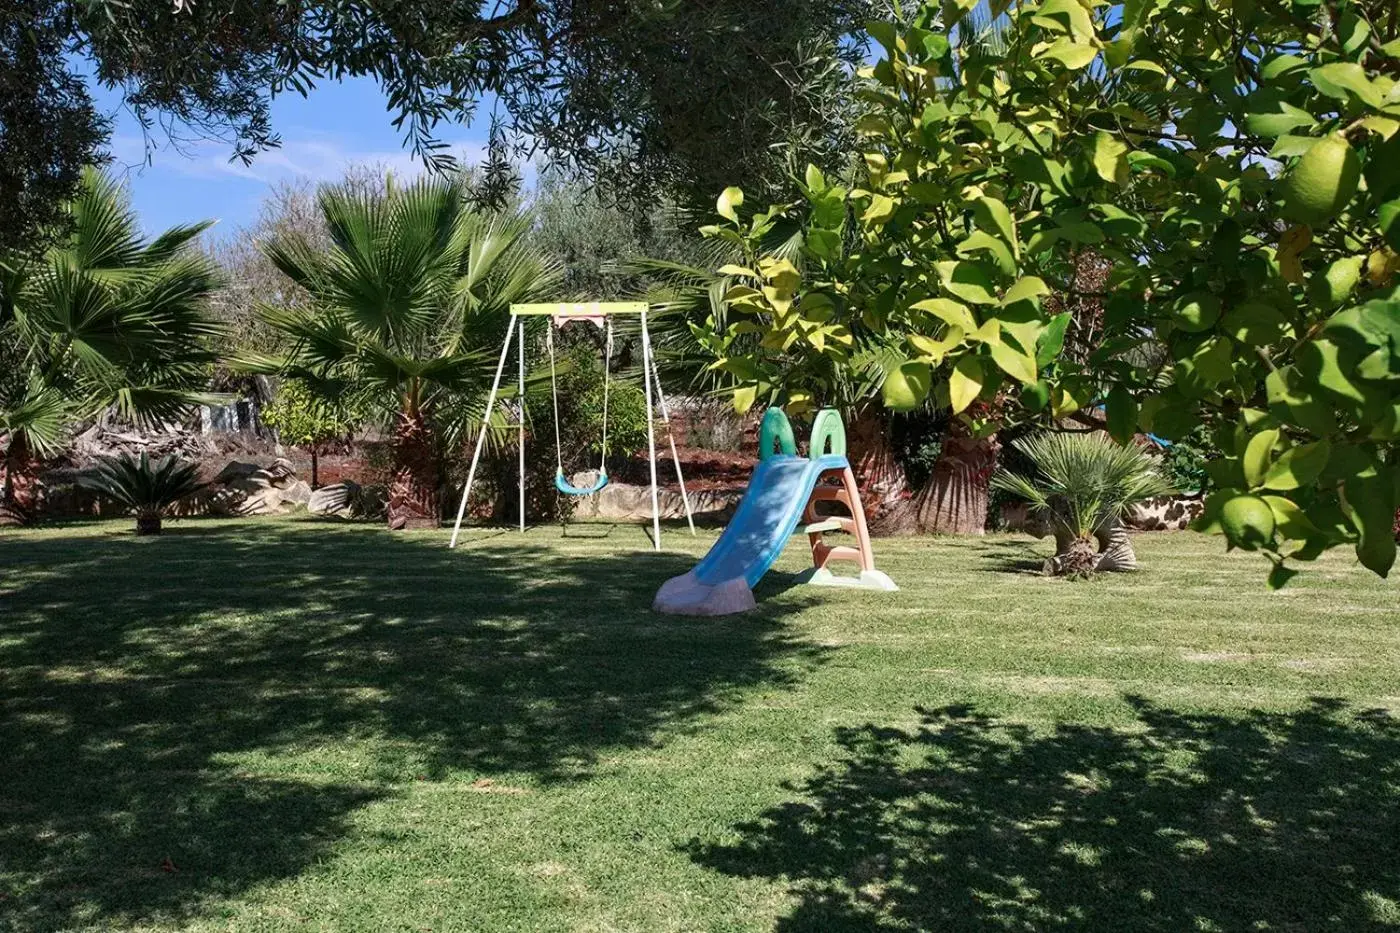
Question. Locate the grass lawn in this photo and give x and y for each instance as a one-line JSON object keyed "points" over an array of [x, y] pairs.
{"points": [[292, 725]]}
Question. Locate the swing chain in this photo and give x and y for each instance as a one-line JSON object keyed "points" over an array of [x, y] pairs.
{"points": [[554, 397], [607, 379]]}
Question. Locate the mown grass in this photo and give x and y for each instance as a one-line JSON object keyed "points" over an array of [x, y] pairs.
{"points": [[293, 725]]}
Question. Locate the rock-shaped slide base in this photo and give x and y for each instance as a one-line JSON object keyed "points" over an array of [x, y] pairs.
{"points": [[687, 596]]}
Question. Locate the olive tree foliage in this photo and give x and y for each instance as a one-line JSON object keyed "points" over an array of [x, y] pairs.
{"points": [[1235, 164], [598, 239], [49, 130], [645, 94]]}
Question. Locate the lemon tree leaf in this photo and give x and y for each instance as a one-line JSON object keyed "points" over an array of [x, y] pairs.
{"points": [[1298, 466], [729, 200], [965, 382], [1257, 455]]}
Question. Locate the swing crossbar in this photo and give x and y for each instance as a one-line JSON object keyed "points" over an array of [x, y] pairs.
{"points": [[584, 309]]}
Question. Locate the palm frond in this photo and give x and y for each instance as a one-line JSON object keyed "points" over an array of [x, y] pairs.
{"points": [[1083, 480], [143, 486], [42, 414], [107, 319]]}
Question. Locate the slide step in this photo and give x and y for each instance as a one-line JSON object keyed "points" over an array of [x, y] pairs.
{"points": [[830, 524]]}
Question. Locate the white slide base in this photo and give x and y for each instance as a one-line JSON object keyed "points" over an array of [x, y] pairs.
{"points": [[868, 579]]}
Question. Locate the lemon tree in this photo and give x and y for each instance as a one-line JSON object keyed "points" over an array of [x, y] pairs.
{"points": [[1269, 190], [1236, 164]]}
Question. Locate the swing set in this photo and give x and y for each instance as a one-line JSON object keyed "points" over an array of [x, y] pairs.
{"points": [[600, 314]]}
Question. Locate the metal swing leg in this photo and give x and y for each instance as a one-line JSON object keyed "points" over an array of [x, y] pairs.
{"points": [[485, 422]]}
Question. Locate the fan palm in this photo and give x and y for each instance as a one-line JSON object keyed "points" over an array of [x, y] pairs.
{"points": [[406, 308], [146, 488], [1083, 484], [103, 319]]}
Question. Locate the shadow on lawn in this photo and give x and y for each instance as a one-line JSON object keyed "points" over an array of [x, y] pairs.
{"points": [[1012, 557], [355, 658], [1194, 822]]}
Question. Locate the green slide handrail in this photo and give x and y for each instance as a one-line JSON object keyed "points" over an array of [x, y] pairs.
{"points": [[775, 427], [828, 434]]}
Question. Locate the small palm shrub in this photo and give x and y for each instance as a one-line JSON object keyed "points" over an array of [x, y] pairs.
{"points": [[146, 488], [1082, 484]]}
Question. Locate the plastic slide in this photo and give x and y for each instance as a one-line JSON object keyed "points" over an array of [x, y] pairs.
{"points": [[778, 498]]}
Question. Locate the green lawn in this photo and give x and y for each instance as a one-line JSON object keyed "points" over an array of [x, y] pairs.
{"points": [[292, 725]]}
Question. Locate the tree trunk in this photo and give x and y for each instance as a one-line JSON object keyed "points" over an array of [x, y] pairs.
{"points": [[315, 476], [148, 524], [879, 474], [955, 499], [1109, 549], [413, 489], [1116, 552], [19, 504]]}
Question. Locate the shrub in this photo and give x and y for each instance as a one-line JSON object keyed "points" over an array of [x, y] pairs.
{"points": [[146, 488], [1081, 483], [1185, 462]]}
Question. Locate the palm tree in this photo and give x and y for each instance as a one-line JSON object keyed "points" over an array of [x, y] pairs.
{"points": [[407, 305], [145, 488], [1083, 486], [101, 320]]}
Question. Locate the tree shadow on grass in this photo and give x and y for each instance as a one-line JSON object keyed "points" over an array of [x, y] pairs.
{"points": [[1189, 822], [1020, 556], [140, 674]]}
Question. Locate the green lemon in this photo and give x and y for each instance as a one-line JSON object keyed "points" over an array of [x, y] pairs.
{"points": [[1329, 290], [1322, 181], [1248, 522], [1035, 396]]}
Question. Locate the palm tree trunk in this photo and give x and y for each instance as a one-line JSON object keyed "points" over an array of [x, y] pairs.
{"points": [[879, 473], [413, 489], [955, 499], [148, 524], [19, 504], [1108, 549], [1116, 552]]}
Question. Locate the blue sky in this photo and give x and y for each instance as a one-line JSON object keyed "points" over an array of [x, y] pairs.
{"points": [[338, 124]]}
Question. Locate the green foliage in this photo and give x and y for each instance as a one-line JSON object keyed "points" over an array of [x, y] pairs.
{"points": [[1234, 165], [408, 301], [581, 413], [145, 488], [103, 319], [640, 94], [1082, 481], [305, 419], [1186, 461], [600, 242], [49, 129]]}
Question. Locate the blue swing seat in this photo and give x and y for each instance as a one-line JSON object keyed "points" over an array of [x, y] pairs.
{"points": [[563, 485]]}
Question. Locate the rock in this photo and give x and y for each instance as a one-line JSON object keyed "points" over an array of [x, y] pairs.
{"points": [[298, 493], [220, 500], [626, 502], [280, 473], [335, 499], [265, 502], [233, 470]]}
